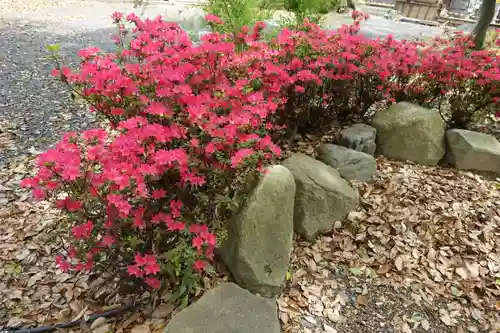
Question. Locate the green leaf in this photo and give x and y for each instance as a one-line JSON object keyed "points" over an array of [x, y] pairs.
{"points": [[184, 302], [14, 269], [497, 282], [55, 48], [288, 276], [454, 291], [356, 270]]}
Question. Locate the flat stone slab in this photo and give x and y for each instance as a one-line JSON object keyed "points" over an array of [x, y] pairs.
{"points": [[351, 164], [227, 309], [469, 150]]}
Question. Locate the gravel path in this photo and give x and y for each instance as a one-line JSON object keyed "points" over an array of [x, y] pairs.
{"points": [[35, 109]]}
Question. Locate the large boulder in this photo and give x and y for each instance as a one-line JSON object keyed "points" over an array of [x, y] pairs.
{"points": [[410, 132], [227, 309], [351, 164], [470, 150], [322, 197], [360, 137], [259, 243]]}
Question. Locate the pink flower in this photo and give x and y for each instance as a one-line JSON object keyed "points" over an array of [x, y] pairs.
{"points": [[135, 270], [107, 240], [299, 89], [89, 52], [240, 156], [158, 194], [198, 242], [211, 239], [153, 282], [152, 269], [199, 265], [175, 225], [198, 228], [62, 264], [116, 16], [83, 231], [213, 18], [69, 204]]}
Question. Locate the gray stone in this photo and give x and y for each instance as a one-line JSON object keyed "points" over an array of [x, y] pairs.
{"points": [[410, 132], [227, 309], [257, 250], [470, 150], [351, 164], [359, 137], [322, 196]]}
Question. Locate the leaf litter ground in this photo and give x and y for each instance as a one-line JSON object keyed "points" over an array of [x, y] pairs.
{"points": [[420, 255]]}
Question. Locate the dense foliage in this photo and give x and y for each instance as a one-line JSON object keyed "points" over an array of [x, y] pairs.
{"points": [[192, 126]]}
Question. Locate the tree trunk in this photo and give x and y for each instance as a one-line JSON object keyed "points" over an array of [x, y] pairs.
{"points": [[486, 13]]}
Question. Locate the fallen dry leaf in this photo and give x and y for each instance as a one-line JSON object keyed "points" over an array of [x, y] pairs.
{"points": [[398, 262], [362, 300], [446, 319], [163, 310], [425, 324], [98, 322], [433, 225], [329, 329], [144, 328], [105, 328]]}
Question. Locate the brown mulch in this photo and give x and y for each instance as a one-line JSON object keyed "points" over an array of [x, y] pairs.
{"points": [[34, 293], [421, 255]]}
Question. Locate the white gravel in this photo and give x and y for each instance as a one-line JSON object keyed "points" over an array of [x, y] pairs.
{"points": [[36, 107], [66, 16]]}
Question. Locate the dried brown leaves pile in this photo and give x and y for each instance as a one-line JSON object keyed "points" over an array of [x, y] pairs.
{"points": [[421, 255], [33, 292]]}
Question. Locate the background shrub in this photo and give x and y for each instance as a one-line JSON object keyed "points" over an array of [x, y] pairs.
{"points": [[237, 14]]}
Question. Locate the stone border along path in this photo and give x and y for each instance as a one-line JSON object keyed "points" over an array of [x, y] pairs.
{"points": [[257, 251]]}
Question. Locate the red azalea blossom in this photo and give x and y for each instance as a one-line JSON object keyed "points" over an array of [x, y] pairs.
{"points": [[189, 119], [135, 270], [153, 282], [152, 269], [83, 231], [62, 264], [198, 242], [199, 265], [107, 240], [213, 18]]}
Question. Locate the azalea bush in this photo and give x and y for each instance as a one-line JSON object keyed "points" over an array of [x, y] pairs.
{"points": [[456, 80], [188, 134], [338, 76], [191, 128]]}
